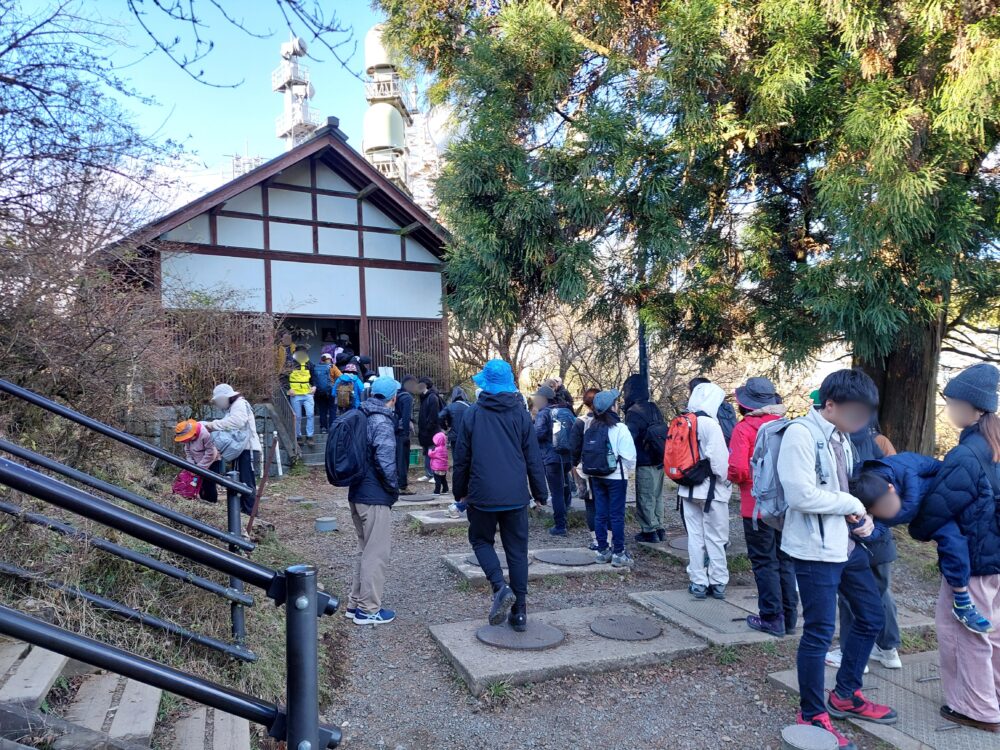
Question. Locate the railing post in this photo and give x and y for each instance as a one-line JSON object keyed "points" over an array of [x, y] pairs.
{"points": [[301, 637], [235, 526]]}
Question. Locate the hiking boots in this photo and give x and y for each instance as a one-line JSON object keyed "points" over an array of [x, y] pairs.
{"points": [[771, 625], [603, 557], [518, 620], [647, 536], [859, 707], [503, 600], [661, 535], [823, 722], [556, 531]]}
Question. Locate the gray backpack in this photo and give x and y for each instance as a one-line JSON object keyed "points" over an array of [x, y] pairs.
{"points": [[769, 496], [230, 443]]}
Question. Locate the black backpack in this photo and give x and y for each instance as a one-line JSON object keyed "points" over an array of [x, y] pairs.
{"points": [[562, 437], [347, 449], [598, 458], [655, 440]]}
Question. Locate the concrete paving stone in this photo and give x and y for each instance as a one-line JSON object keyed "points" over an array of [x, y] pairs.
{"points": [[536, 570], [723, 622], [436, 520], [915, 692], [230, 732], [582, 652], [190, 731], [422, 502], [92, 702], [473, 560], [136, 715]]}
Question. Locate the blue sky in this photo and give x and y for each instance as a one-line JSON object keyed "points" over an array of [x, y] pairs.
{"points": [[212, 122]]}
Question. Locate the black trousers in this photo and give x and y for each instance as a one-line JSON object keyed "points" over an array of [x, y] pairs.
{"points": [[513, 525], [403, 462], [244, 465], [774, 572]]}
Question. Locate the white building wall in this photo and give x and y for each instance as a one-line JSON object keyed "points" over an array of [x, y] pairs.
{"points": [[336, 209], [384, 246], [291, 238], [373, 217], [392, 293], [196, 230], [338, 242], [236, 282], [249, 202], [327, 179], [240, 232], [290, 203], [315, 289], [417, 253]]}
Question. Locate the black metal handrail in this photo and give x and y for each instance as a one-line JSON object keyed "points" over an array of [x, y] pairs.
{"points": [[279, 722], [122, 437], [294, 587], [127, 553], [130, 497], [82, 503]]}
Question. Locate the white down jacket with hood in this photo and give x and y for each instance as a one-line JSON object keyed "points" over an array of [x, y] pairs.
{"points": [[707, 398]]}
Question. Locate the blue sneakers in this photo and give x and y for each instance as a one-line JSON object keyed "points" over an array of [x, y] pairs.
{"points": [[972, 619], [350, 613], [698, 591], [381, 617]]}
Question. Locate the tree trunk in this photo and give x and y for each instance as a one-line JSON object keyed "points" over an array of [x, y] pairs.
{"points": [[907, 384]]}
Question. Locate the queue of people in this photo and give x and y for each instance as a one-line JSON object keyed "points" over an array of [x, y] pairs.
{"points": [[819, 496]]}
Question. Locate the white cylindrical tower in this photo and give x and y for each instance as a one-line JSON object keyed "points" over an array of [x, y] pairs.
{"points": [[390, 110]]}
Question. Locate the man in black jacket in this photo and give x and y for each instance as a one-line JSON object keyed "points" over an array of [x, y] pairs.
{"points": [[371, 501], [498, 470], [404, 415], [428, 426], [640, 415]]}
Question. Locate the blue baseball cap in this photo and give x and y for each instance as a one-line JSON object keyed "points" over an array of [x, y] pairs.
{"points": [[385, 387], [605, 400]]}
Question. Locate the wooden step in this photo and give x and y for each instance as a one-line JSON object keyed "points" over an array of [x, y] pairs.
{"points": [[190, 732], [10, 653], [230, 732], [33, 678], [135, 717], [92, 703]]}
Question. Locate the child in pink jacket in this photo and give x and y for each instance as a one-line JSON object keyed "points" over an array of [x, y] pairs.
{"points": [[439, 462]]}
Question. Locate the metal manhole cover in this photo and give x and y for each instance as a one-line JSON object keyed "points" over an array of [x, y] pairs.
{"points": [[570, 557], [472, 560], [802, 737], [627, 627], [537, 637], [678, 542]]}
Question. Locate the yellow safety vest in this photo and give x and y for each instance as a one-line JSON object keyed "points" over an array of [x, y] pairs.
{"points": [[298, 380]]}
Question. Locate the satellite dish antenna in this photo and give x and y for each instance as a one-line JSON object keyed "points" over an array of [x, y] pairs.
{"points": [[299, 46]]}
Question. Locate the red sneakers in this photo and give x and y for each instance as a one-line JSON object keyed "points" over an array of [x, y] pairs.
{"points": [[859, 707], [823, 722]]}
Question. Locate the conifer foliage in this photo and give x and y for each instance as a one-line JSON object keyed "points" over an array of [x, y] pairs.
{"points": [[796, 171]]}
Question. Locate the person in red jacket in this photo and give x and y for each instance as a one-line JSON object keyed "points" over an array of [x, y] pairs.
{"points": [[773, 570]]}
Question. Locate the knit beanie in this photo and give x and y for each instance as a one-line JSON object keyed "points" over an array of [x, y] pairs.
{"points": [[977, 385]]}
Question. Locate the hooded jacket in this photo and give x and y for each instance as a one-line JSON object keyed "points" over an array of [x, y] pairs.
{"points": [[912, 474], [427, 426], [962, 492], [497, 463], [741, 450], [640, 415], [543, 431], [404, 414], [815, 524], [705, 401], [439, 453], [380, 485], [450, 417]]}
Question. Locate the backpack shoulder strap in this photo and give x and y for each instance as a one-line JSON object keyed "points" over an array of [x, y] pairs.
{"points": [[822, 455]]}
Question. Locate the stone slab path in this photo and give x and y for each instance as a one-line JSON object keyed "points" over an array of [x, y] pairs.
{"points": [[581, 652], [723, 623], [474, 574], [435, 520], [915, 692]]}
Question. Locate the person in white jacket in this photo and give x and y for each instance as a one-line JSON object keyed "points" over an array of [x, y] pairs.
{"points": [[239, 419], [821, 523], [706, 506], [607, 458]]}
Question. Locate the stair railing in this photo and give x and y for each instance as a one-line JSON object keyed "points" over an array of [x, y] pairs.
{"points": [[295, 588]]}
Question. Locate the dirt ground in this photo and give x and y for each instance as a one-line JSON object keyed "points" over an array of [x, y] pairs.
{"points": [[390, 686]]}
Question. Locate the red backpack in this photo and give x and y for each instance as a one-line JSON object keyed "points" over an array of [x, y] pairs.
{"points": [[682, 460], [187, 485]]}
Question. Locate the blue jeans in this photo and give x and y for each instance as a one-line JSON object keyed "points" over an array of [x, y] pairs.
{"points": [[557, 477], [819, 585], [889, 636], [609, 509], [303, 406]]}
